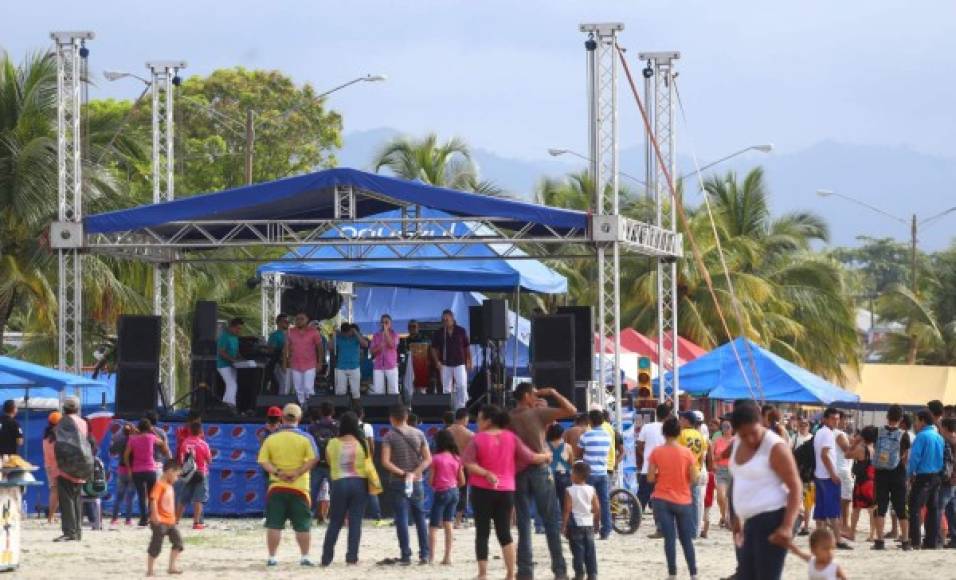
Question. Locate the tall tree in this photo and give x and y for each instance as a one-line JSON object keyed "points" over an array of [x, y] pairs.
{"points": [[444, 164]]}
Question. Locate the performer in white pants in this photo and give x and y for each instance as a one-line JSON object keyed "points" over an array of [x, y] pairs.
{"points": [[385, 358], [346, 346], [227, 353], [451, 353], [303, 355]]}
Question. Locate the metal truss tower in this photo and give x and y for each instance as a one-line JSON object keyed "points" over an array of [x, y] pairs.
{"points": [[660, 98], [601, 47], [67, 232], [164, 79]]}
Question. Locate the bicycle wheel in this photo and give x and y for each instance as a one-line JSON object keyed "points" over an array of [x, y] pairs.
{"points": [[626, 512]]}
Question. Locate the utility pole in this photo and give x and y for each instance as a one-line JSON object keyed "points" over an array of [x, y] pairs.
{"points": [[250, 144], [913, 242]]}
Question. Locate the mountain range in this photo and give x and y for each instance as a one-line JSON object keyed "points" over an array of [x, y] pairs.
{"points": [[898, 180]]}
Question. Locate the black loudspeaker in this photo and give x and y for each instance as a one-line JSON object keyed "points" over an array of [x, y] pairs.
{"points": [[138, 339], [202, 370], [431, 408], [552, 339], [494, 319], [137, 368], [583, 340], [205, 318], [581, 398], [313, 298], [558, 376], [249, 382], [340, 402], [263, 402], [377, 406], [476, 333]]}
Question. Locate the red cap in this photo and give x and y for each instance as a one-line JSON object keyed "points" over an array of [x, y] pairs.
{"points": [[274, 412]]}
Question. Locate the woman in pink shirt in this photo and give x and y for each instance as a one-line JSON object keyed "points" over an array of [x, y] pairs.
{"points": [[385, 359], [303, 354], [138, 458], [492, 459], [447, 475]]}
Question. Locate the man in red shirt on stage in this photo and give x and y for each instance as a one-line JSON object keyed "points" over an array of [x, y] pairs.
{"points": [[451, 354]]}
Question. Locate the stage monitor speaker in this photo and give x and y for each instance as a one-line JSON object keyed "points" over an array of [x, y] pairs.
{"points": [[377, 407], [494, 319], [137, 389], [580, 398], [341, 403], [263, 402], [558, 376], [205, 321], [138, 340], [583, 340], [431, 408], [476, 332], [552, 339]]}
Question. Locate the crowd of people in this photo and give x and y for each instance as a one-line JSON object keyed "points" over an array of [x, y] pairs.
{"points": [[522, 469]]}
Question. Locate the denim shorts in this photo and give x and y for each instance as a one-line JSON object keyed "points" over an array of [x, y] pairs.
{"points": [[193, 491], [444, 504]]}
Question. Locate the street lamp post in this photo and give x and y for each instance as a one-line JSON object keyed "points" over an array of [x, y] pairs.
{"points": [[914, 223], [249, 122]]}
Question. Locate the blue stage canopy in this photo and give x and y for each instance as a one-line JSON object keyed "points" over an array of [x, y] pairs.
{"points": [[20, 378], [492, 274], [718, 375], [311, 197]]}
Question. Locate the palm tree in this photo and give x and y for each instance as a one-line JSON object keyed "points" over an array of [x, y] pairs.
{"points": [[775, 289], [447, 164]]}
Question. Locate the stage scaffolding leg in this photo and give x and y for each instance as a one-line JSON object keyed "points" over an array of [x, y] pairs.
{"points": [[67, 233], [164, 75], [660, 98], [601, 47], [270, 293]]}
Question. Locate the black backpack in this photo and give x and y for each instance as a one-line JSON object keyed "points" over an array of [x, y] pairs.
{"points": [[947, 472], [73, 451], [806, 460], [96, 484], [323, 432]]}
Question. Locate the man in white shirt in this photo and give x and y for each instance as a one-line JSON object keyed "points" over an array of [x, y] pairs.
{"points": [[826, 477], [649, 438]]}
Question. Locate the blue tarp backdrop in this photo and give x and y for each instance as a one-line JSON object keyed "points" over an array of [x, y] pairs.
{"points": [[341, 263], [718, 375]]}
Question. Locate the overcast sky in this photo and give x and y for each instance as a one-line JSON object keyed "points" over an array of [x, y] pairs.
{"points": [[509, 75]]}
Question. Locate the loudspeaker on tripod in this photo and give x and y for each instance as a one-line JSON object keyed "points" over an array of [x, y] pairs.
{"points": [[137, 374]]}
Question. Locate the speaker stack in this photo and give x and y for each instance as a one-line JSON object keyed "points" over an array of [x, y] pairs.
{"points": [[137, 374], [494, 319], [583, 351], [553, 353], [476, 331], [203, 345]]}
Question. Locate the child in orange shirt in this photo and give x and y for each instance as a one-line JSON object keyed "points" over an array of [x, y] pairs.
{"points": [[162, 518]]}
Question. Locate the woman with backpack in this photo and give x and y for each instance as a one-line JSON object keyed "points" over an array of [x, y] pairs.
{"points": [[138, 457], [864, 472]]}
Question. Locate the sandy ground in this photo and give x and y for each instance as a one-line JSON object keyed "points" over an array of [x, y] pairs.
{"points": [[233, 549]]}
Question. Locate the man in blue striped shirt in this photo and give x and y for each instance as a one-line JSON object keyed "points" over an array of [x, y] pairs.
{"points": [[594, 445]]}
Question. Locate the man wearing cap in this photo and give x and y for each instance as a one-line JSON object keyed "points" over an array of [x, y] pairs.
{"points": [[691, 438], [288, 455], [67, 486]]}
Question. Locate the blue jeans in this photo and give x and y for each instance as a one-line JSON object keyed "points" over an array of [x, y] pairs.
{"points": [[402, 505], [758, 559], [600, 484], [124, 495], [947, 509], [644, 490], [677, 521], [536, 484], [583, 552], [562, 481], [348, 497], [695, 501], [374, 508], [443, 507], [316, 477]]}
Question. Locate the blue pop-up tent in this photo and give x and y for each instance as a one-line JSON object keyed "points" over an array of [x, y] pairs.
{"points": [[404, 304], [478, 267], [20, 378], [718, 375]]}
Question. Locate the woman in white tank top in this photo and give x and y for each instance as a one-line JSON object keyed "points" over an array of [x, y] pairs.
{"points": [[766, 495]]}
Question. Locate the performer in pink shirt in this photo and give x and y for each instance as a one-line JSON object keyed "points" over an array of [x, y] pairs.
{"points": [[303, 355], [385, 358]]}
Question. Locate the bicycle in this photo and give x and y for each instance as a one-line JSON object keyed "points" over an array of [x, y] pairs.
{"points": [[626, 511]]}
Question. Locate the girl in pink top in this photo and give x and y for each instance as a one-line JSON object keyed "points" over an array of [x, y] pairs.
{"points": [[492, 459], [447, 475], [385, 359], [138, 457]]}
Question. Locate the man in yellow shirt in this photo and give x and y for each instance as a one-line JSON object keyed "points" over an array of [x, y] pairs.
{"points": [[691, 438], [288, 455]]}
